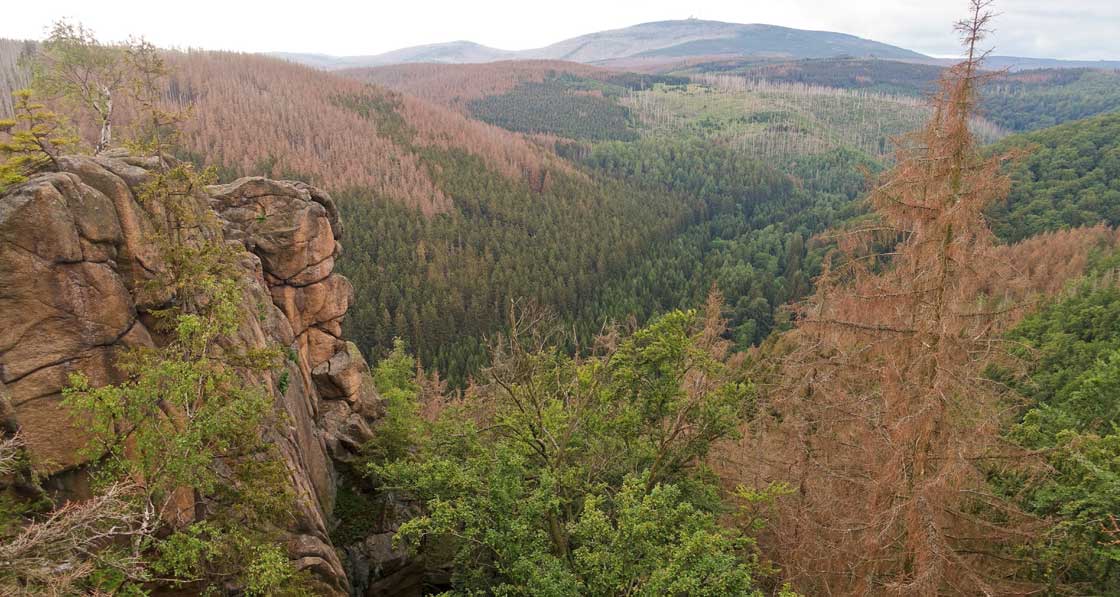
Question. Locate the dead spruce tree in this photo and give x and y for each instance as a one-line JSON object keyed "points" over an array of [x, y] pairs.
{"points": [[884, 423]]}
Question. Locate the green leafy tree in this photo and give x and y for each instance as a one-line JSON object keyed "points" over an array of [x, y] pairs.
{"points": [[655, 542], [74, 66], [1073, 345], [539, 477], [395, 380]]}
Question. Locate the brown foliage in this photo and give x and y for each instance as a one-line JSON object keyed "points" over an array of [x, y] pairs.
{"points": [[51, 556], [879, 414], [249, 112], [13, 74], [251, 109], [454, 85]]}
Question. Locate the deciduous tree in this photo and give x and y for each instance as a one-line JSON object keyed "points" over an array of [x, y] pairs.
{"points": [[74, 66]]}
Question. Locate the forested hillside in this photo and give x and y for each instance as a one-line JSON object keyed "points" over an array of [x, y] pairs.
{"points": [[455, 220], [668, 187], [1072, 346], [1029, 100], [443, 283], [761, 328], [550, 98], [893, 440], [455, 84], [713, 146], [624, 237], [334, 130], [1018, 101], [1069, 176]]}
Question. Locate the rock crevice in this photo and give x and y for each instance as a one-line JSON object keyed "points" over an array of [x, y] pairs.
{"points": [[76, 248]]}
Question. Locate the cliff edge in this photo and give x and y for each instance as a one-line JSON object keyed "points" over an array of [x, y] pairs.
{"points": [[76, 249]]}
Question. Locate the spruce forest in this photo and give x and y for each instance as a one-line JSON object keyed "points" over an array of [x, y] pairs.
{"points": [[684, 308]]}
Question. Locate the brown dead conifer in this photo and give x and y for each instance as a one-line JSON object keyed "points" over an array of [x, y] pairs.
{"points": [[880, 416]]}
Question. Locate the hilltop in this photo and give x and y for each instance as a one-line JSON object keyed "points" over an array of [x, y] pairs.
{"points": [[662, 46], [657, 40]]}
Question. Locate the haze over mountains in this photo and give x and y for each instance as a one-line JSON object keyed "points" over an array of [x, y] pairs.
{"points": [[673, 43]]}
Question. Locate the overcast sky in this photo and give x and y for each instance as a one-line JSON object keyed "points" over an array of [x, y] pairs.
{"points": [[1072, 29]]}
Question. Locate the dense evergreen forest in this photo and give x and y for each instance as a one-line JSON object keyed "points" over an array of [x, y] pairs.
{"points": [[657, 224], [443, 283], [563, 106], [735, 221]]}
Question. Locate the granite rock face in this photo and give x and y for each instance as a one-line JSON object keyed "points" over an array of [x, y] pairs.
{"points": [[76, 249]]}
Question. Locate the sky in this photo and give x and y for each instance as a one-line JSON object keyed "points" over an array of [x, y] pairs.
{"points": [[1070, 29]]}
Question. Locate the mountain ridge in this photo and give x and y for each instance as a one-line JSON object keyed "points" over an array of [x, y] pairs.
{"points": [[647, 39], [673, 41]]}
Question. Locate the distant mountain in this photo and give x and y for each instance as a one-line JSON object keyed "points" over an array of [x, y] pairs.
{"points": [[455, 52], [664, 46], [662, 39], [1017, 63], [694, 37]]}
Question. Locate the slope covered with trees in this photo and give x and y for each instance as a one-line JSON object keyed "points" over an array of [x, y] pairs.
{"points": [[444, 282], [566, 99], [455, 84], [335, 131], [1072, 346], [749, 226], [781, 122], [255, 114], [1018, 101], [1068, 177], [1035, 99]]}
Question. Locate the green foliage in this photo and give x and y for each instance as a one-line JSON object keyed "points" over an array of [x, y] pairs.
{"points": [[566, 476], [652, 228], [395, 380], [1074, 344], [204, 550], [75, 67], [642, 81], [382, 108], [752, 242], [563, 105], [35, 139], [443, 283], [185, 424], [357, 513], [269, 573], [659, 538], [146, 81], [1070, 177], [1029, 100]]}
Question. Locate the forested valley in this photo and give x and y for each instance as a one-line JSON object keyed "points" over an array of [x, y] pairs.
{"points": [[734, 326]]}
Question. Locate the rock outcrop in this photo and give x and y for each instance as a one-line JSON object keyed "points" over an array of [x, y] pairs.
{"points": [[76, 248]]}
